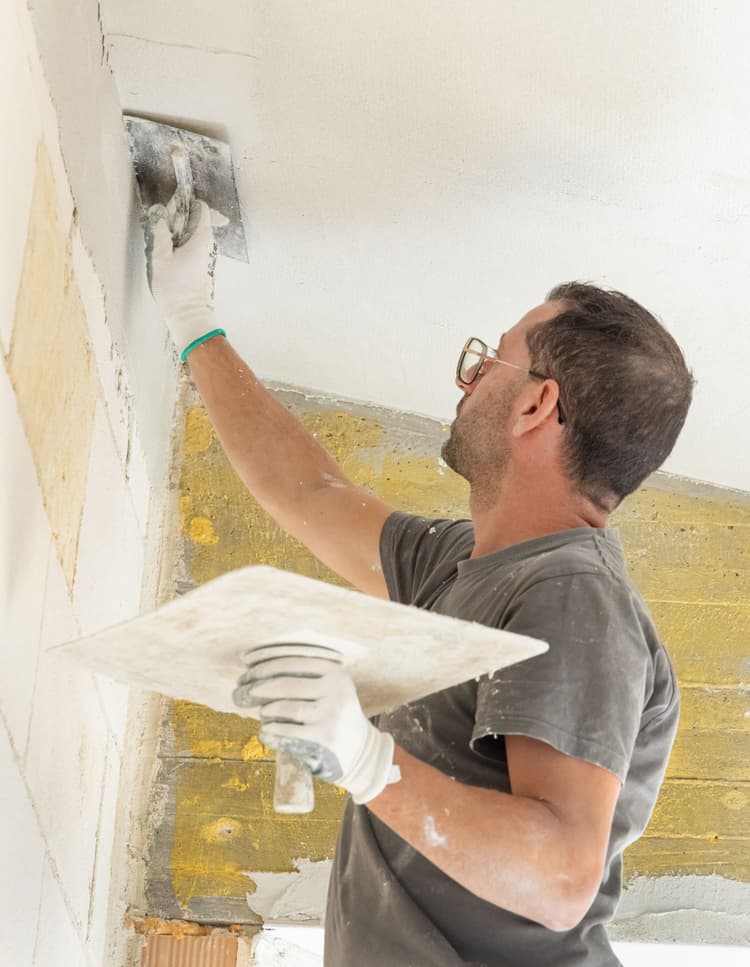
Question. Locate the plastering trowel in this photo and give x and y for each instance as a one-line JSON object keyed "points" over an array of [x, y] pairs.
{"points": [[173, 166], [192, 648]]}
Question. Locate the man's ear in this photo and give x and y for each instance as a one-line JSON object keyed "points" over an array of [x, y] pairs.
{"points": [[538, 404]]}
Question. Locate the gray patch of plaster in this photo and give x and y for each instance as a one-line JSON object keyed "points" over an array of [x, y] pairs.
{"points": [[290, 897], [688, 909]]}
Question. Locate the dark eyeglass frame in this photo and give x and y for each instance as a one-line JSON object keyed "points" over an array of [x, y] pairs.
{"points": [[488, 355]]}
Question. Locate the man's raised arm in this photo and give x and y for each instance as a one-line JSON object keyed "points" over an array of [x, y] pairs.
{"points": [[282, 465]]}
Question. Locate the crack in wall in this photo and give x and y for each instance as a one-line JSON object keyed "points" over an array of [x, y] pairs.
{"points": [[104, 58], [203, 50]]}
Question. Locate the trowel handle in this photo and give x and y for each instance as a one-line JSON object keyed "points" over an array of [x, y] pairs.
{"points": [[183, 196], [293, 791]]}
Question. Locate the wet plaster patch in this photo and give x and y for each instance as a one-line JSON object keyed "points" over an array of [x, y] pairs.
{"points": [[297, 896]]}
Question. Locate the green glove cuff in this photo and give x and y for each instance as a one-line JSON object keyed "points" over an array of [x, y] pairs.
{"points": [[199, 340]]}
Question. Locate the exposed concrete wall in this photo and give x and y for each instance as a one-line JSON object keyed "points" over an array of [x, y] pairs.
{"points": [[223, 855], [79, 495]]}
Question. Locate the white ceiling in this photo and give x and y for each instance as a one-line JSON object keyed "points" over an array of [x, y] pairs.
{"points": [[414, 173]]}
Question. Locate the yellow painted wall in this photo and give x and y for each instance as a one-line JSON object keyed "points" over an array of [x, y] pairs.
{"points": [[51, 366], [688, 551]]}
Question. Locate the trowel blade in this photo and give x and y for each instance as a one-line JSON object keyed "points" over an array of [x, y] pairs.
{"points": [[212, 172]]}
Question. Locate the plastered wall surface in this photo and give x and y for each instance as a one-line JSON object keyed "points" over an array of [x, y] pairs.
{"points": [[89, 131], [413, 174], [75, 504], [222, 855]]}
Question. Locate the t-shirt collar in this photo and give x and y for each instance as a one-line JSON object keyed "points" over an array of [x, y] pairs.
{"points": [[539, 545]]}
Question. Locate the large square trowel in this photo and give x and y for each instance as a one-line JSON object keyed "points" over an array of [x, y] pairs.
{"points": [[174, 166], [192, 648]]}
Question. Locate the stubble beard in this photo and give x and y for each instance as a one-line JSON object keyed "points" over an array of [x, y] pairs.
{"points": [[454, 451], [478, 448]]}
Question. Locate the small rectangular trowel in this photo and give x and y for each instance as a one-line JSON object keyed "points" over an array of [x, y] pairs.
{"points": [[173, 166]]}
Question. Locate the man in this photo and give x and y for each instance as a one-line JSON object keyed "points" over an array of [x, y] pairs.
{"points": [[487, 821]]}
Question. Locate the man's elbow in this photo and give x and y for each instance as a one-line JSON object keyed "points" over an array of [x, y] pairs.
{"points": [[571, 900]]}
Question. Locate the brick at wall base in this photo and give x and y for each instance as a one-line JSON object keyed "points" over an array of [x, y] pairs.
{"points": [[214, 950]]}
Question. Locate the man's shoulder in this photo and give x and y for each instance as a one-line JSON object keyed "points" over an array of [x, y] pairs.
{"points": [[417, 552], [438, 538], [588, 571]]}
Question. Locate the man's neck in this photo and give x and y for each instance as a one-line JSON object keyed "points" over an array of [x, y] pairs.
{"points": [[526, 510]]}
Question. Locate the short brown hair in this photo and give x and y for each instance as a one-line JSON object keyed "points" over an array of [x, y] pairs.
{"points": [[625, 388]]}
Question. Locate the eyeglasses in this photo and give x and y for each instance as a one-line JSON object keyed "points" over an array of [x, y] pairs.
{"points": [[472, 360]]}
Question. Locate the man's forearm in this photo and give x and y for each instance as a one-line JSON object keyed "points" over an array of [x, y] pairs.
{"points": [[277, 459], [506, 849]]}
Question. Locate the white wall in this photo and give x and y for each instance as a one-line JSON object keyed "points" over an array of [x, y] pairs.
{"points": [[65, 736]]}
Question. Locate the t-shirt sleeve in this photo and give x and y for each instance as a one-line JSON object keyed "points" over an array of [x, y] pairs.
{"points": [[585, 696], [411, 547]]}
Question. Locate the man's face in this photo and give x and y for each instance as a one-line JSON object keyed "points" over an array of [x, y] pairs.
{"points": [[479, 445]]}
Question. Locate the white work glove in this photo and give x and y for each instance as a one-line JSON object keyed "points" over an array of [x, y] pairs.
{"points": [[182, 279], [308, 706]]}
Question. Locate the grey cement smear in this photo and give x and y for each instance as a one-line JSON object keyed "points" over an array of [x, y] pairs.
{"points": [[684, 909], [292, 897]]}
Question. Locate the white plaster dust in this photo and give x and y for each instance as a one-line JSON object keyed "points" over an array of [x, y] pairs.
{"points": [[275, 951], [432, 834], [335, 482]]}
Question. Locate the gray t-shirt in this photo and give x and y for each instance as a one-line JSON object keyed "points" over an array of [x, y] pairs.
{"points": [[604, 692]]}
